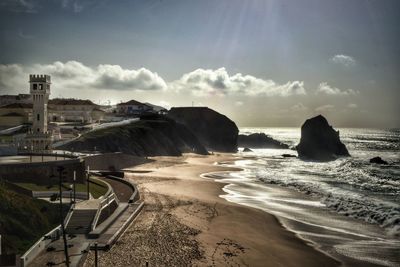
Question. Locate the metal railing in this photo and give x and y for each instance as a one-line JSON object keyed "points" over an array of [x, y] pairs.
{"points": [[103, 204]]}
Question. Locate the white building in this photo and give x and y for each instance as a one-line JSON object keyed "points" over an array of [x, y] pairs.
{"points": [[133, 107], [74, 110]]}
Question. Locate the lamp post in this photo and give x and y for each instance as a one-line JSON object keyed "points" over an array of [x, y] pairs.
{"points": [[96, 259], [70, 194], [74, 187], [60, 170], [87, 182]]}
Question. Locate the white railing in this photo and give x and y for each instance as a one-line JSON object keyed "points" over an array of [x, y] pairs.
{"points": [[44, 241], [103, 204], [65, 194], [39, 246]]}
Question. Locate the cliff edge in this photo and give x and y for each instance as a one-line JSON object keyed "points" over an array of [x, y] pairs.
{"points": [[214, 130]]}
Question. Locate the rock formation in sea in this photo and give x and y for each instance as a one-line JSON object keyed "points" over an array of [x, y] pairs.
{"points": [[259, 140], [319, 141], [378, 160], [151, 136], [289, 156], [214, 130]]}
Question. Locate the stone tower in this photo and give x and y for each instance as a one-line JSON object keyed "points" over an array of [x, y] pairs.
{"points": [[39, 138]]}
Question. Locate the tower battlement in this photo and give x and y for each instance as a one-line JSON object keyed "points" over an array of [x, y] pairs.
{"points": [[39, 78]]}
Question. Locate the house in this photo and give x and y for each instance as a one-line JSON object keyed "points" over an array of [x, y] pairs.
{"points": [[133, 107], [59, 110], [158, 109], [74, 110]]}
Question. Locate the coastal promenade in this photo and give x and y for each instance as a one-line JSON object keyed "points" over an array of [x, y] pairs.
{"points": [[104, 235]]}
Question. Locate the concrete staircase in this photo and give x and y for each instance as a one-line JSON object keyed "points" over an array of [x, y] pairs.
{"points": [[81, 221]]}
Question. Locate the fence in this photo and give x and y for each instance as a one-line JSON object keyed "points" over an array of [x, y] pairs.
{"points": [[39, 246]]}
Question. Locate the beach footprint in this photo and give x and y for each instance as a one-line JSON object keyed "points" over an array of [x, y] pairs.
{"points": [[228, 252]]}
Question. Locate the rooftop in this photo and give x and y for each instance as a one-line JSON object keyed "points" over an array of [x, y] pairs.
{"points": [[131, 102], [71, 101]]}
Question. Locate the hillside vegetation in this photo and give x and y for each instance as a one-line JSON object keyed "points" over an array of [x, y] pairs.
{"points": [[23, 220], [151, 136]]}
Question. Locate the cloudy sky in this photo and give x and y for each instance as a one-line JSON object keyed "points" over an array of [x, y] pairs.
{"points": [[262, 63]]}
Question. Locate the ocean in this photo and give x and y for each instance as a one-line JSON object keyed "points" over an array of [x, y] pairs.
{"points": [[347, 208]]}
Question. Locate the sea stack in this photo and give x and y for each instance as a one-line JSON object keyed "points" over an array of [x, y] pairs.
{"points": [[319, 141]]}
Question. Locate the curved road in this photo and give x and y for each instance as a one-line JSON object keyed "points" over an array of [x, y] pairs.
{"points": [[121, 190]]}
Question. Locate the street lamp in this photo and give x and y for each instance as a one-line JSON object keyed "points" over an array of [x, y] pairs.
{"points": [[87, 182], [74, 187], [60, 170], [70, 194]]}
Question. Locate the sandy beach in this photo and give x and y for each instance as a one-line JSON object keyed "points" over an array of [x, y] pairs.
{"points": [[186, 223]]}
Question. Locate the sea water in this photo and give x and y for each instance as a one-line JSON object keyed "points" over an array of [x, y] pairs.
{"points": [[347, 208]]}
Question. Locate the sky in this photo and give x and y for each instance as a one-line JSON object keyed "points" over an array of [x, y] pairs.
{"points": [[262, 63]]}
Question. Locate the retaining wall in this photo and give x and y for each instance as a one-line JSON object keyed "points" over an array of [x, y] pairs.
{"points": [[113, 161], [41, 172]]}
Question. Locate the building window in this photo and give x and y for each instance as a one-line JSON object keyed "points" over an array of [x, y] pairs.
{"points": [[34, 86], [40, 86], [38, 117]]}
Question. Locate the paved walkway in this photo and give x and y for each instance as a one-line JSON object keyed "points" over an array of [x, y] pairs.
{"points": [[91, 204], [123, 191], [76, 250]]}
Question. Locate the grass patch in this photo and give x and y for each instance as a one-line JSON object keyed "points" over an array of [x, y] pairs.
{"points": [[97, 188]]}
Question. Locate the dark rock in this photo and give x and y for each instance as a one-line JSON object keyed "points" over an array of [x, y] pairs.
{"points": [[151, 136], [289, 156], [259, 140], [214, 130], [378, 160], [319, 141], [246, 149]]}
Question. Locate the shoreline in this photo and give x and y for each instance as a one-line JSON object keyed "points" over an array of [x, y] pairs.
{"points": [[186, 222], [307, 242], [280, 220]]}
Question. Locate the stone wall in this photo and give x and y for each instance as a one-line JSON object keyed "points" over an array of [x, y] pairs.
{"points": [[113, 161], [41, 172]]}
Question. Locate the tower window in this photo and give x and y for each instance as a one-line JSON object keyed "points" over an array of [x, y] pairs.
{"points": [[40, 86], [38, 117], [34, 86]]}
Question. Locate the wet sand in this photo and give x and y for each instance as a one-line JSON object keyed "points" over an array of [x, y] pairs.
{"points": [[186, 223]]}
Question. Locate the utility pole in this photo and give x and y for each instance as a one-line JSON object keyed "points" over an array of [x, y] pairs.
{"points": [[87, 182], [74, 187], [96, 258], [60, 170]]}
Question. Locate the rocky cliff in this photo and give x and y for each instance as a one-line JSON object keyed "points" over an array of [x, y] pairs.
{"points": [[319, 141], [214, 130], [259, 140], [151, 136]]}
